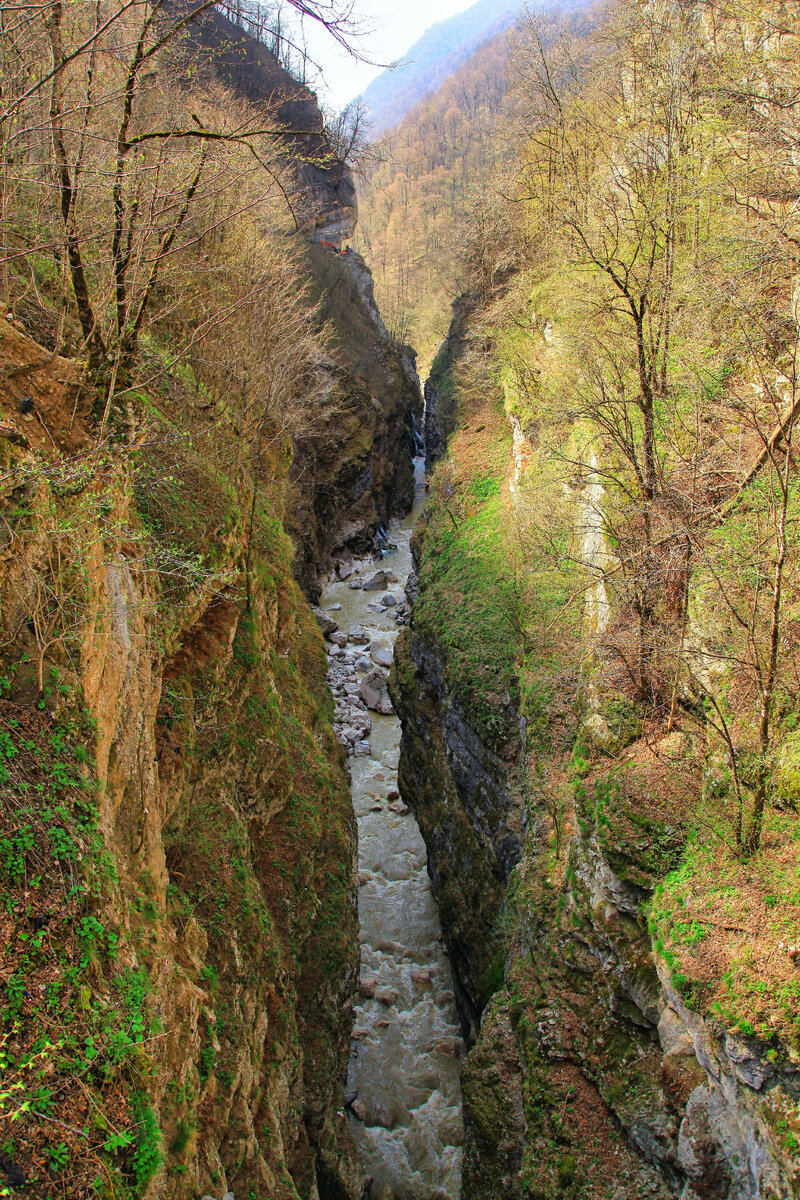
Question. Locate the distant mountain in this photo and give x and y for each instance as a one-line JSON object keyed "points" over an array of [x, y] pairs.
{"points": [[437, 54]]}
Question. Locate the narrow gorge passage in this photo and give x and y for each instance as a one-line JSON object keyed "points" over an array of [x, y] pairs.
{"points": [[403, 1083]]}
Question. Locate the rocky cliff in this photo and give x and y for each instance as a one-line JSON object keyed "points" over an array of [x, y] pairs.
{"points": [[353, 468], [353, 472], [177, 841], [595, 1070]]}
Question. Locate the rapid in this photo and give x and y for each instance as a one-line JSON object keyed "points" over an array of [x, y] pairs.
{"points": [[403, 1098]]}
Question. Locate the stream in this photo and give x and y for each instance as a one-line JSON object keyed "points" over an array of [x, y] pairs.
{"points": [[403, 1092]]}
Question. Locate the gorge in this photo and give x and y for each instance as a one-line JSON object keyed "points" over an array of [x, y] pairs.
{"points": [[399, 781]]}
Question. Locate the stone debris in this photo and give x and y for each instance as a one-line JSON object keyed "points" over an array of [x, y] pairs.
{"points": [[400, 808], [358, 635]]}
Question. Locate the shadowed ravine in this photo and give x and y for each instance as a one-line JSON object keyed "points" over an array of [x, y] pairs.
{"points": [[407, 1047]]}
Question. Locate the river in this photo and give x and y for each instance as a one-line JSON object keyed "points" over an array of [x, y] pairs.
{"points": [[403, 1084]]}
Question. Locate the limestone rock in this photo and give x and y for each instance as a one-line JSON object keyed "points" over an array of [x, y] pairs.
{"points": [[381, 654], [376, 582], [326, 623], [596, 729], [374, 690]]}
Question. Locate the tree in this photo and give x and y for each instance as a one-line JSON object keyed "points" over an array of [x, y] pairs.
{"points": [[142, 142]]}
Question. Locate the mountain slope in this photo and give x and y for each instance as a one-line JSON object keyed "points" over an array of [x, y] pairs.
{"points": [[437, 54], [421, 191]]}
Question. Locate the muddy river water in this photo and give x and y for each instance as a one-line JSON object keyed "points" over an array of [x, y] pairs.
{"points": [[403, 1085]]}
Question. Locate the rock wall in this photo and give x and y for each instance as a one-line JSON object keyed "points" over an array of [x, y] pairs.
{"points": [[469, 816], [180, 939], [355, 472], [591, 1074]]}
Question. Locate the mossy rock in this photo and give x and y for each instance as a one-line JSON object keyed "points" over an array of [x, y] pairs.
{"points": [[640, 847]]}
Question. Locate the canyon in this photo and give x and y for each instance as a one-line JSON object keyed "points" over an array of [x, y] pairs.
{"points": [[399, 779]]}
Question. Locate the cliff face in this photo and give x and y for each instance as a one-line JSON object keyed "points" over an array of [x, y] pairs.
{"points": [[355, 471], [594, 1072], [463, 799], [180, 941]]}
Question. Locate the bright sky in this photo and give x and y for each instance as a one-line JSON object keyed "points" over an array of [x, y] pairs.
{"points": [[393, 25]]}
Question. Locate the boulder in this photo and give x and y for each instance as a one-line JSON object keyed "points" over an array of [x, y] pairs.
{"points": [[376, 582], [388, 601], [326, 623], [358, 635], [361, 749], [381, 654], [337, 639], [374, 690]]}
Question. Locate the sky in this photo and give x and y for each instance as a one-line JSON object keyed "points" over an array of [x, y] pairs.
{"points": [[393, 26]]}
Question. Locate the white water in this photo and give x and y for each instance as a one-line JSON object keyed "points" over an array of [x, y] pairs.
{"points": [[406, 1054]]}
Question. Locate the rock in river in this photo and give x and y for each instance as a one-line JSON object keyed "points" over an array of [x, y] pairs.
{"points": [[375, 692], [326, 623], [376, 582], [381, 654]]}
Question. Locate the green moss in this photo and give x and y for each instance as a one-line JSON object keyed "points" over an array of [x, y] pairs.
{"points": [[468, 607]]}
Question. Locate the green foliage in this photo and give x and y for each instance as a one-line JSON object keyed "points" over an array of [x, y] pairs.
{"points": [[148, 1155], [468, 607]]}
